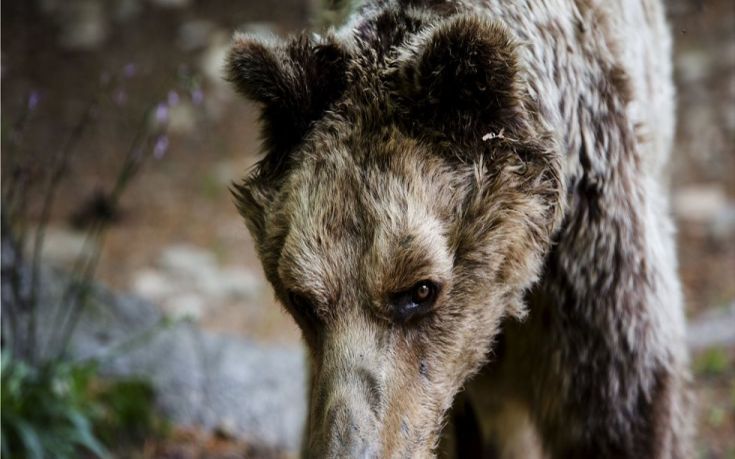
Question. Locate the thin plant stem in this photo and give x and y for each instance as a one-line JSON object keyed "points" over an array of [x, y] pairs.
{"points": [[75, 298], [11, 280], [13, 210], [14, 226], [62, 160]]}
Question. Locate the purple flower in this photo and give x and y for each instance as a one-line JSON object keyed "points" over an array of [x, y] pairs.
{"points": [[173, 98], [161, 113], [129, 70], [161, 146], [33, 99], [197, 96]]}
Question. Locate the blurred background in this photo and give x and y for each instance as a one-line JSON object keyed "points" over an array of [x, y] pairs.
{"points": [[136, 320]]}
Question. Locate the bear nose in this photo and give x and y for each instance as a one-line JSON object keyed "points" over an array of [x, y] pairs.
{"points": [[351, 431]]}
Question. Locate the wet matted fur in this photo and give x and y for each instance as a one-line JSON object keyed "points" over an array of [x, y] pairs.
{"points": [[508, 156]]}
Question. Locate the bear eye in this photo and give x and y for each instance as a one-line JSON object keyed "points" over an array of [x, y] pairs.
{"points": [[423, 292], [414, 302]]}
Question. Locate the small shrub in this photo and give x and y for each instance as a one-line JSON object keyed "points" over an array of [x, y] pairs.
{"points": [[64, 411], [46, 411]]}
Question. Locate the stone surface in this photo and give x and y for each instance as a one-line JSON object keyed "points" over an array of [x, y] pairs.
{"points": [[61, 246], [212, 63], [194, 35], [713, 328], [699, 203], [189, 282], [82, 24], [723, 226], [253, 391]]}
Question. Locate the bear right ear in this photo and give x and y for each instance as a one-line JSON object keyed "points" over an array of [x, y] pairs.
{"points": [[295, 81], [460, 77]]}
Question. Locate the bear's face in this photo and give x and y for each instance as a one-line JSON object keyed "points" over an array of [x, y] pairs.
{"points": [[394, 234]]}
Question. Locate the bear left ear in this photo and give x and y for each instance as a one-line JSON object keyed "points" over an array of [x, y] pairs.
{"points": [[295, 81], [460, 76]]}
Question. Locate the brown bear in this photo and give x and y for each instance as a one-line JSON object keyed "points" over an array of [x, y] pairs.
{"points": [[469, 195]]}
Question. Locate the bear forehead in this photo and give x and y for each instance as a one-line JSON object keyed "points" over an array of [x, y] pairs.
{"points": [[349, 186], [351, 214]]}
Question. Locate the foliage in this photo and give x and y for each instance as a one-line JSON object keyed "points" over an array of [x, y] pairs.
{"points": [[46, 412], [64, 410]]}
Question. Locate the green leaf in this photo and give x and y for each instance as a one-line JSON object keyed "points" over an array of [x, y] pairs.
{"points": [[30, 439], [84, 436], [4, 448]]}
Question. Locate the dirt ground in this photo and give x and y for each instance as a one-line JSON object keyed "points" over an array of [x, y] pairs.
{"points": [[128, 53]]}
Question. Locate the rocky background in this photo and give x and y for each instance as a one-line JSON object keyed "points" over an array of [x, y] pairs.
{"points": [[228, 366]]}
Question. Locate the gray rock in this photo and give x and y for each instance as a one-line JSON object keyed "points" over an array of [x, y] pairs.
{"points": [[212, 63], [231, 283], [694, 65], [194, 35], [83, 24], [185, 306], [61, 246], [154, 285], [186, 260], [190, 283], [713, 328], [700, 203], [724, 225], [208, 380]]}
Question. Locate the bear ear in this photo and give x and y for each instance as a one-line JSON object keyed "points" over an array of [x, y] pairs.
{"points": [[460, 76], [294, 80]]}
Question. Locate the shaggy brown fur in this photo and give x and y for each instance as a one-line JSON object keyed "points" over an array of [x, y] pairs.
{"points": [[451, 188]]}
